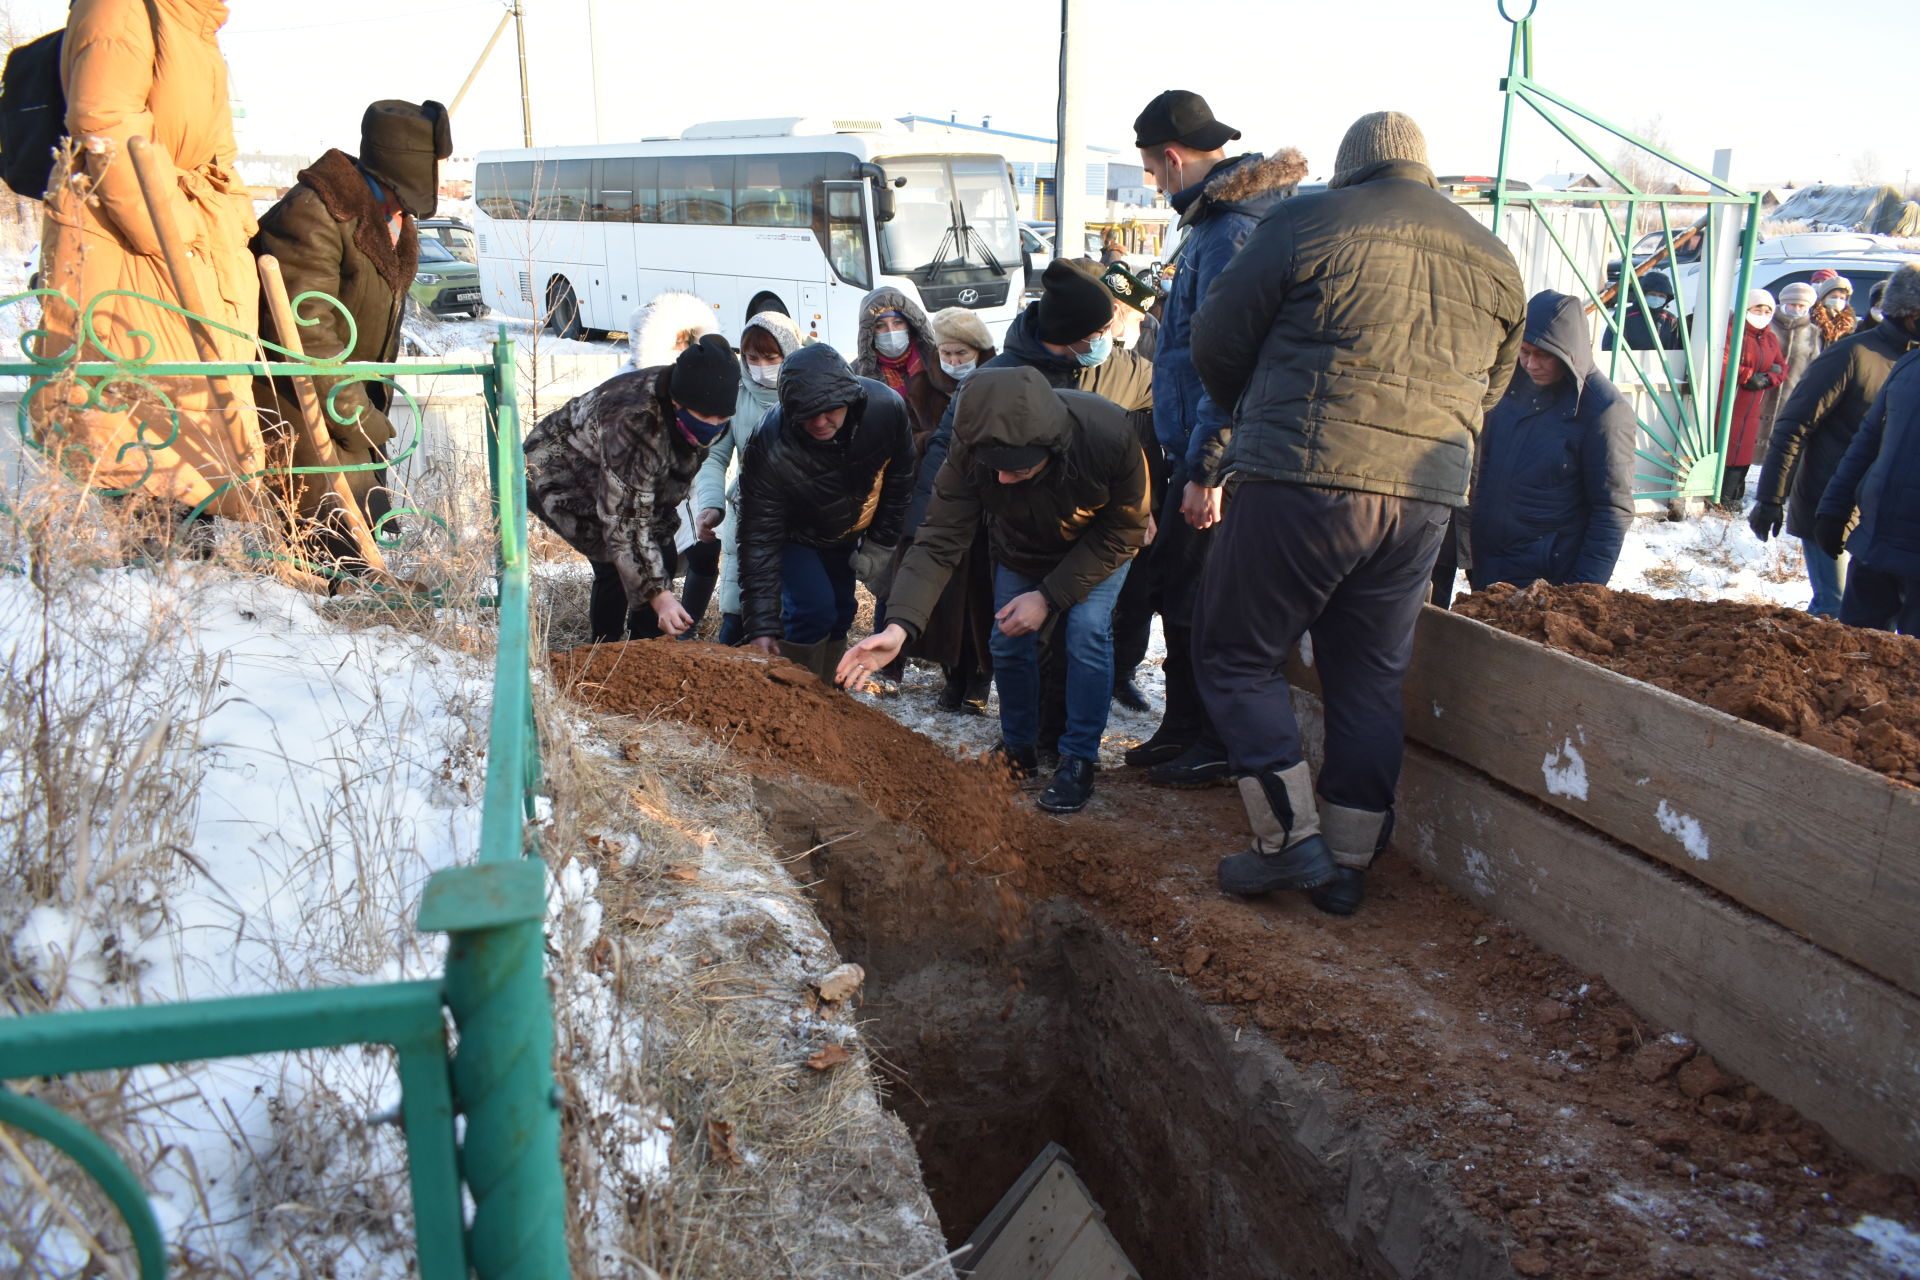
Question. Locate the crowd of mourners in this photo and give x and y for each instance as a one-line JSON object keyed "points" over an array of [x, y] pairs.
{"points": [[1333, 402]]}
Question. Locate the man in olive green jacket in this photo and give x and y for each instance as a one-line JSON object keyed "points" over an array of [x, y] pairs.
{"points": [[1061, 480], [346, 230]]}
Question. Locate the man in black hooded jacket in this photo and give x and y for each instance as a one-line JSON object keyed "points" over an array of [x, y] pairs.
{"points": [[824, 487]]}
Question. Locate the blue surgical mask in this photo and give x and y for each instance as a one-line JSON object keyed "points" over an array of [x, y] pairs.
{"points": [[1096, 353], [697, 431]]}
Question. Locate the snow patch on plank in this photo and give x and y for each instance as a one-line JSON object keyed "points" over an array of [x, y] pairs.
{"points": [[1685, 828], [1897, 1245], [1565, 771]]}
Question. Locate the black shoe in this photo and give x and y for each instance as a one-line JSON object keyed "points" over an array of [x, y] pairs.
{"points": [[953, 694], [1341, 895], [1128, 694], [1165, 744], [1071, 788], [979, 688], [1021, 762], [1204, 764], [1250, 872]]}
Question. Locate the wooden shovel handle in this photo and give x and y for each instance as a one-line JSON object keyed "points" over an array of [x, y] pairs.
{"points": [[312, 425]]}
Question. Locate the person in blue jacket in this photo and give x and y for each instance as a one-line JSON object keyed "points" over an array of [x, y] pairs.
{"points": [[1881, 475], [1553, 491]]}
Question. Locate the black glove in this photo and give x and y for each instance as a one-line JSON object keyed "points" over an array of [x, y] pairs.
{"points": [[1758, 382], [1764, 520], [870, 562], [1830, 534]]}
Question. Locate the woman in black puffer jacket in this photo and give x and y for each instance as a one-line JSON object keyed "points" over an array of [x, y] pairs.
{"points": [[824, 488]]}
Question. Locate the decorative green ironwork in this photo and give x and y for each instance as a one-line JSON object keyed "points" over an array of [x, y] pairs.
{"points": [[1690, 434], [501, 1074]]}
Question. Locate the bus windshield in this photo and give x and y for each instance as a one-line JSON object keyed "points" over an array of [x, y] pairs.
{"points": [[952, 214]]}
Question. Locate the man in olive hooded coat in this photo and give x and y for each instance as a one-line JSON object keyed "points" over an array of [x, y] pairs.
{"points": [[1062, 483]]}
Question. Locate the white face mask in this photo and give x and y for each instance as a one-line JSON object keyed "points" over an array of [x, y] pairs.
{"points": [[1759, 319], [767, 375], [959, 372], [1834, 302], [1876, 314], [1793, 310], [891, 344]]}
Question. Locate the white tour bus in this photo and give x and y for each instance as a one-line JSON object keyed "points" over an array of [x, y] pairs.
{"points": [[793, 215]]}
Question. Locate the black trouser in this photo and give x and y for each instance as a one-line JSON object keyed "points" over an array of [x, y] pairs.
{"points": [[1179, 559], [1883, 601], [702, 562], [607, 615], [1133, 617], [1446, 566], [1353, 569]]}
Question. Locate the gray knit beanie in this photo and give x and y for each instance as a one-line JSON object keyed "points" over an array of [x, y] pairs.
{"points": [[1902, 298], [1377, 136]]}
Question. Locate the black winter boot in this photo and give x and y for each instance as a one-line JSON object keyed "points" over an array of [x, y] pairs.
{"points": [[1020, 763], [1127, 693], [695, 594], [1287, 851], [1355, 838], [1071, 788]]}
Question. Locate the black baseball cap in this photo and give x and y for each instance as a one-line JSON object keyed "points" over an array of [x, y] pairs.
{"points": [[1180, 115]]}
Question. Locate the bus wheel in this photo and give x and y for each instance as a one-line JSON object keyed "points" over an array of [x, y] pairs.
{"points": [[766, 302], [563, 310]]}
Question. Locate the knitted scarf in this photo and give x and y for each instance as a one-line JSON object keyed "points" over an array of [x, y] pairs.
{"points": [[898, 370], [1834, 325]]}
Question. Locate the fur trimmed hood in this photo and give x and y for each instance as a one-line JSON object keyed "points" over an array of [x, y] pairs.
{"points": [[886, 298], [1281, 172], [663, 324], [336, 178]]}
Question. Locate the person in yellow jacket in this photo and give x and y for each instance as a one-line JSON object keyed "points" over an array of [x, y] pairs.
{"points": [[149, 69]]}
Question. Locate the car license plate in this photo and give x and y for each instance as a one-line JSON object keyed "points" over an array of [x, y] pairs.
{"points": [[466, 295]]}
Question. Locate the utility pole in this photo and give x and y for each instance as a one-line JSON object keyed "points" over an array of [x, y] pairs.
{"points": [[1069, 223], [526, 97]]}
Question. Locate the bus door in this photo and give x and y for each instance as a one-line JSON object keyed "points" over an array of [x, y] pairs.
{"points": [[850, 266]]}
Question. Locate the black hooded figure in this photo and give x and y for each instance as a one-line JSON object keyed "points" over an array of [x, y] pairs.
{"points": [[824, 487], [1553, 490]]}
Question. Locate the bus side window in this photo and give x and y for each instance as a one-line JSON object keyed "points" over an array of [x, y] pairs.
{"points": [[612, 199], [514, 196], [776, 191], [697, 189], [847, 234]]}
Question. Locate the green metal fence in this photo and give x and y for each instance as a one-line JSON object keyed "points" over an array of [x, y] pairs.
{"points": [[500, 1079], [1692, 404]]}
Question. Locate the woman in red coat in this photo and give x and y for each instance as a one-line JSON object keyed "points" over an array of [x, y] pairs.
{"points": [[1762, 368]]}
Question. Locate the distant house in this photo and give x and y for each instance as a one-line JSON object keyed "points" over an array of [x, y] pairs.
{"points": [[1570, 182]]}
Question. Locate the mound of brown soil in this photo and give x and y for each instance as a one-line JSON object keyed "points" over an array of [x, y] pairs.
{"points": [[774, 711], [1846, 690], [1599, 1146]]}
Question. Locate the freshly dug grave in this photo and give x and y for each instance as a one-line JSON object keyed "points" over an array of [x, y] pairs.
{"points": [[1588, 1141], [1846, 690]]}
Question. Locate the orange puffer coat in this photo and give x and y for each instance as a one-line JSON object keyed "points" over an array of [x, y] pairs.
{"points": [[150, 68]]}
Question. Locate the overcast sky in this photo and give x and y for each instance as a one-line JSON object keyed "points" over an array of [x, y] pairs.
{"points": [[1751, 75]]}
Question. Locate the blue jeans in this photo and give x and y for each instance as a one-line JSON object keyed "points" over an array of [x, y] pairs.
{"points": [[1087, 633], [1827, 578], [816, 592]]}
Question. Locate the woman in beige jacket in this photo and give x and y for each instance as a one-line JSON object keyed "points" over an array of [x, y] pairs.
{"points": [[150, 69]]}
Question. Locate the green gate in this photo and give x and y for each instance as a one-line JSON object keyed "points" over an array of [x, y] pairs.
{"points": [[1689, 423], [501, 1077]]}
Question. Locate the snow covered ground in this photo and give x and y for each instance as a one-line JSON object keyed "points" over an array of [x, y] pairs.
{"points": [[255, 795]]}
